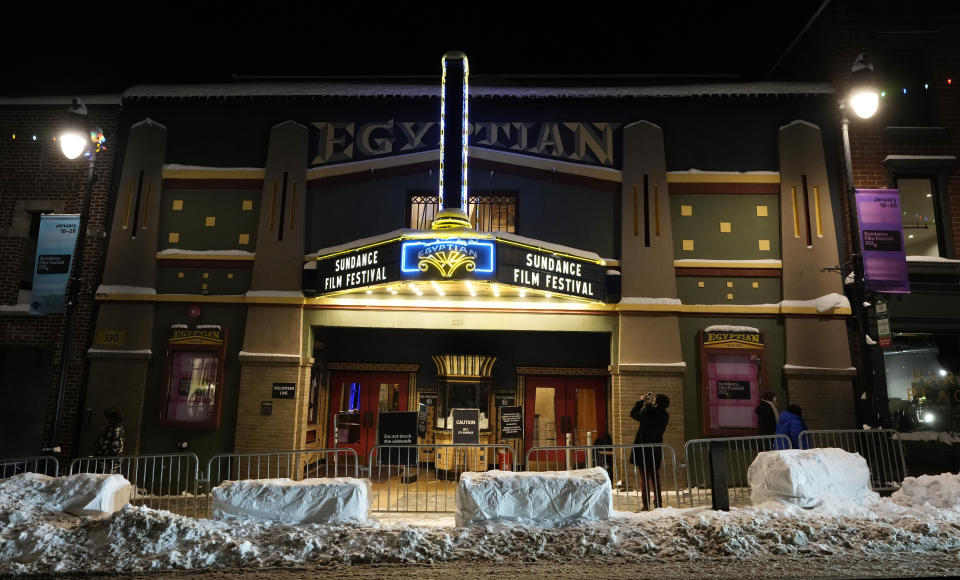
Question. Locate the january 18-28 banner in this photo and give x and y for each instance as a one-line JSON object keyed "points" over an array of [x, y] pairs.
{"points": [[51, 270], [881, 240]]}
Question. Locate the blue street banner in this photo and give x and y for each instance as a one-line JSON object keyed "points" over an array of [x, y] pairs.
{"points": [[51, 270], [881, 240]]}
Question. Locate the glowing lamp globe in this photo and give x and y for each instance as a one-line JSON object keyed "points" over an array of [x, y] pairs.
{"points": [[865, 103], [72, 144]]}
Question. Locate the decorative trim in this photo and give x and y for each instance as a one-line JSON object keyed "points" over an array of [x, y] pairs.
{"points": [[374, 367], [729, 272], [571, 371], [269, 358], [208, 173], [212, 182], [651, 369], [733, 264], [722, 177], [726, 187], [103, 354], [161, 257], [818, 372]]}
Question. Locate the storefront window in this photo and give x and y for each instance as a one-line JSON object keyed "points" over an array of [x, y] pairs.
{"points": [[192, 388], [463, 396], [919, 202], [922, 382]]}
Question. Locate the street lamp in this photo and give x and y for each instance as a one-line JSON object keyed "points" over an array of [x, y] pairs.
{"points": [[77, 139], [864, 99]]}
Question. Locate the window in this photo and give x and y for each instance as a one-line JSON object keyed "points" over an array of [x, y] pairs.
{"points": [[922, 231], [194, 377], [906, 83], [488, 211], [922, 381]]}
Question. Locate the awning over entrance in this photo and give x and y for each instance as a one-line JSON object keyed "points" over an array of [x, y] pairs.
{"points": [[458, 261]]}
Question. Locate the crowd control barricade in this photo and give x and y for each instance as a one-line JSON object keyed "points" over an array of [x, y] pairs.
{"points": [[643, 476], [45, 464], [404, 480], [881, 448], [165, 482], [734, 456]]}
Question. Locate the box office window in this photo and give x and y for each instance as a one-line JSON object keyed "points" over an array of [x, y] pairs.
{"points": [[488, 211], [732, 363]]}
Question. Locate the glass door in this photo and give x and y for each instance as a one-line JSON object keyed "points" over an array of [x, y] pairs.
{"points": [[557, 407], [356, 401]]}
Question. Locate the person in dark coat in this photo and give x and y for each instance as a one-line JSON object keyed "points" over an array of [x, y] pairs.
{"points": [[111, 439], [651, 413], [767, 414], [791, 424]]}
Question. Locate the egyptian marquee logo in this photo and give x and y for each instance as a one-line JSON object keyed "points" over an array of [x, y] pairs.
{"points": [[447, 257]]}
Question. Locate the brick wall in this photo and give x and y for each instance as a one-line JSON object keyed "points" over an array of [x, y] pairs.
{"points": [[826, 401], [35, 175], [628, 387], [279, 431]]}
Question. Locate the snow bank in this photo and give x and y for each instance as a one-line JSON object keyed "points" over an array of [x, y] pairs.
{"points": [[809, 477], [942, 491], [82, 494], [316, 500], [544, 498]]}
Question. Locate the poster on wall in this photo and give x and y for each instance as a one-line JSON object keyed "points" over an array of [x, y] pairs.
{"points": [[511, 422], [56, 242], [880, 220]]}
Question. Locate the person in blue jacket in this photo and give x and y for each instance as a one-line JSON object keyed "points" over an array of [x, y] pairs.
{"points": [[791, 424]]}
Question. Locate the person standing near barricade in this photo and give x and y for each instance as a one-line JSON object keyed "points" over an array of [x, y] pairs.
{"points": [[111, 439], [767, 414], [791, 424], [651, 413]]}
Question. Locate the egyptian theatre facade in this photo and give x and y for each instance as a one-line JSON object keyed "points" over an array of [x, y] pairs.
{"points": [[286, 263]]}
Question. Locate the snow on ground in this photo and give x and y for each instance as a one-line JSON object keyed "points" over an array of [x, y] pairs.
{"points": [[36, 538]]}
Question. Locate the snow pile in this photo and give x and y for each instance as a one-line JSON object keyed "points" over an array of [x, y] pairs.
{"points": [[315, 500], [82, 494], [544, 498], [730, 328], [942, 491], [810, 477], [948, 437]]}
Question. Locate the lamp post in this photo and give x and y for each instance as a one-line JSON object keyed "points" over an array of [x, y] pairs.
{"points": [[79, 138], [864, 99]]}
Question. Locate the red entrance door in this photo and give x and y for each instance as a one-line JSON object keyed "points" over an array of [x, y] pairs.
{"points": [[356, 401], [556, 406]]}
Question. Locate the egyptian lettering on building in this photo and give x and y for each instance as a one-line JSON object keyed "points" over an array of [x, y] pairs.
{"points": [[581, 142], [732, 339]]}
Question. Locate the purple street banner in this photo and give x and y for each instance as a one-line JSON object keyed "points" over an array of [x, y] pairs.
{"points": [[881, 240]]}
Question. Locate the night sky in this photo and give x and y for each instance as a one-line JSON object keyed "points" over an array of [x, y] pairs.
{"points": [[177, 42]]}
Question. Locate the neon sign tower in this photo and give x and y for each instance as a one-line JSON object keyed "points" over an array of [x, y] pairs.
{"points": [[454, 98]]}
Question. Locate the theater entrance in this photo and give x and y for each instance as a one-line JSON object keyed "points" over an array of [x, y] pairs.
{"points": [[558, 406], [356, 401]]}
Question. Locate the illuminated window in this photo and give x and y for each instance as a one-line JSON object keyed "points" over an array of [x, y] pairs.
{"points": [[921, 229], [192, 396], [488, 211]]}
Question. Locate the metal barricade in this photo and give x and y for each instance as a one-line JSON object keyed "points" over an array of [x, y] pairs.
{"points": [[738, 453], [404, 481], [297, 465], [881, 449], [45, 464], [636, 471], [166, 482]]}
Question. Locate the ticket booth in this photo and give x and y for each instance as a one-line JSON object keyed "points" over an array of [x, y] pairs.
{"points": [[732, 378]]}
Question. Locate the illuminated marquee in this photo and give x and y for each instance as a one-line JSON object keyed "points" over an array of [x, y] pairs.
{"points": [[447, 257]]}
